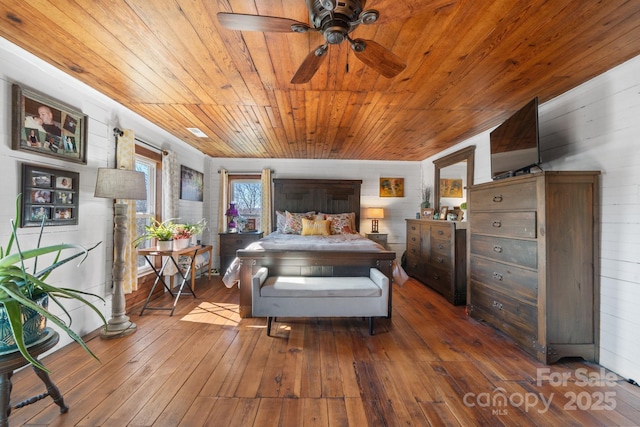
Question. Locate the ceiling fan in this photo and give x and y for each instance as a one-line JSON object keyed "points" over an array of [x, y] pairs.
{"points": [[335, 19]]}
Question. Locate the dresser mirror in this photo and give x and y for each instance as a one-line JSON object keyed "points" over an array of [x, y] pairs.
{"points": [[457, 171]]}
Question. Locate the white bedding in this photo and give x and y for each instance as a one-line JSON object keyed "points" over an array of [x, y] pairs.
{"points": [[296, 242]]}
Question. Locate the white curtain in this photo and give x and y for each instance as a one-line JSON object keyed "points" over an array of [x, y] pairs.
{"points": [[170, 185], [170, 195], [125, 159], [224, 200], [266, 214]]}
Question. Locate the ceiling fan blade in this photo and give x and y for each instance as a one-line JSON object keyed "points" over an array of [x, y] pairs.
{"points": [[242, 22], [310, 65], [378, 57]]}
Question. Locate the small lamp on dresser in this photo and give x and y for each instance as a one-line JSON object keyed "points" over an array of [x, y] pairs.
{"points": [[374, 214]]}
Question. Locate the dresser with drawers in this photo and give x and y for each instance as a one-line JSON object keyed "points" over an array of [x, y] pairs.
{"points": [[231, 242], [533, 261], [436, 255]]}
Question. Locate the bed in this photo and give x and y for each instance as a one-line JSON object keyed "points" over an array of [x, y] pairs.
{"points": [[345, 254]]}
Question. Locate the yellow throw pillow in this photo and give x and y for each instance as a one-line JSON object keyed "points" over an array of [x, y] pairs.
{"points": [[315, 228]]}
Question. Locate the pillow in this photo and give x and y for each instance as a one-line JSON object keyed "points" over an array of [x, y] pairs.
{"points": [[341, 224], [316, 228], [293, 223], [281, 219]]}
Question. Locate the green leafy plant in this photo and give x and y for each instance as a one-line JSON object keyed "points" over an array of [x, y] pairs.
{"points": [[197, 227], [162, 231], [21, 286], [463, 205]]}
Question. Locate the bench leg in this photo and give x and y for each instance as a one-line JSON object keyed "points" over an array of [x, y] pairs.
{"points": [[370, 325], [269, 319]]}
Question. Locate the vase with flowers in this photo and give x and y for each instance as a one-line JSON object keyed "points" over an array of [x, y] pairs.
{"points": [[181, 237], [232, 213]]}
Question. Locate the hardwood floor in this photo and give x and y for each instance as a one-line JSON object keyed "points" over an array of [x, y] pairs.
{"points": [[428, 365]]}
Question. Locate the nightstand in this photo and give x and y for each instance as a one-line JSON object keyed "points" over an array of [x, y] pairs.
{"points": [[230, 243], [379, 238]]}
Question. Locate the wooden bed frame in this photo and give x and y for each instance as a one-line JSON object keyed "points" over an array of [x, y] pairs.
{"points": [[320, 195]]}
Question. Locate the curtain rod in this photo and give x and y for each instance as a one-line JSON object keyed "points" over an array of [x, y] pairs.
{"points": [[119, 132], [245, 172]]}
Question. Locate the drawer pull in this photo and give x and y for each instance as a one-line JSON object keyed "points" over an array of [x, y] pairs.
{"points": [[439, 260], [497, 223], [413, 239], [436, 276], [497, 305], [440, 246], [498, 198], [497, 276], [440, 232], [497, 248]]}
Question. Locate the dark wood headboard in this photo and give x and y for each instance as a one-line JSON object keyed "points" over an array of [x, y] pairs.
{"points": [[321, 195]]}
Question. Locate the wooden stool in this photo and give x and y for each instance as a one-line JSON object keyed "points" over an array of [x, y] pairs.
{"points": [[12, 361]]}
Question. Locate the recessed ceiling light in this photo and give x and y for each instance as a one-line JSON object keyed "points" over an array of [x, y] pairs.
{"points": [[197, 132]]}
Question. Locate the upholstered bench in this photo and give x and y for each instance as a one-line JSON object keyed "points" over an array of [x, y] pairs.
{"points": [[325, 296]]}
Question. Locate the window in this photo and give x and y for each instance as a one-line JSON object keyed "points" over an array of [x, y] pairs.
{"points": [[246, 192], [150, 164]]}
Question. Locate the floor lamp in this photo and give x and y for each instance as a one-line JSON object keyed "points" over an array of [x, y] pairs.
{"points": [[119, 184]]}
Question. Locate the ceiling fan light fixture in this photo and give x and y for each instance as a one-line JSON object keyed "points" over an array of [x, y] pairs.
{"points": [[369, 16]]}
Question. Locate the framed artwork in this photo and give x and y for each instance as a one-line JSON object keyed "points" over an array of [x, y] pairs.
{"points": [[44, 126], [391, 187], [49, 195], [427, 213], [250, 225], [451, 188], [443, 212], [191, 184]]}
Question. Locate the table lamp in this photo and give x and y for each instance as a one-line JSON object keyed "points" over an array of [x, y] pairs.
{"points": [[129, 185], [374, 214], [232, 213]]}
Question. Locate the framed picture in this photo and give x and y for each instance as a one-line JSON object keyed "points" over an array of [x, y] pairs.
{"points": [[391, 187], [191, 184], [443, 212], [427, 213], [250, 225], [44, 126], [451, 188], [49, 195]]}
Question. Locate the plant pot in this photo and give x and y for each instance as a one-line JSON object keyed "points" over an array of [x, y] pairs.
{"points": [[181, 244], [165, 245], [33, 324]]}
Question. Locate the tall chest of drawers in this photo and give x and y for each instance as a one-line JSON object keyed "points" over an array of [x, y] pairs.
{"points": [[533, 264], [436, 255]]}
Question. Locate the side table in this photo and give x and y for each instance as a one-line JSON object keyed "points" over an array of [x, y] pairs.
{"points": [[379, 238], [12, 361], [231, 242], [170, 256]]}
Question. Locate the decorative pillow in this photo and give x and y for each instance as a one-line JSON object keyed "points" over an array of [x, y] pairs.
{"points": [[293, 223], [320, 216], [281, 220], [316, 228], [341, 224]]}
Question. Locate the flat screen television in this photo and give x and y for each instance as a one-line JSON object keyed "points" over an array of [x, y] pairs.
{"points": [[515, 143]]}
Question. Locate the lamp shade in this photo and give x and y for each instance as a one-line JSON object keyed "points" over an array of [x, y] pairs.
{"points": [[374, 213], [120, 184]]}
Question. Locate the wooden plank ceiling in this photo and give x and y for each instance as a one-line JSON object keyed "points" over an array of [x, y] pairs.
{"points": [[470, 64]]}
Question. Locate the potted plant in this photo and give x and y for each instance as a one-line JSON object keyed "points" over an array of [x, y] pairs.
{"points": [[24, 291], [426, 196], [181, 236], [160, 231], [196, 229]]}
